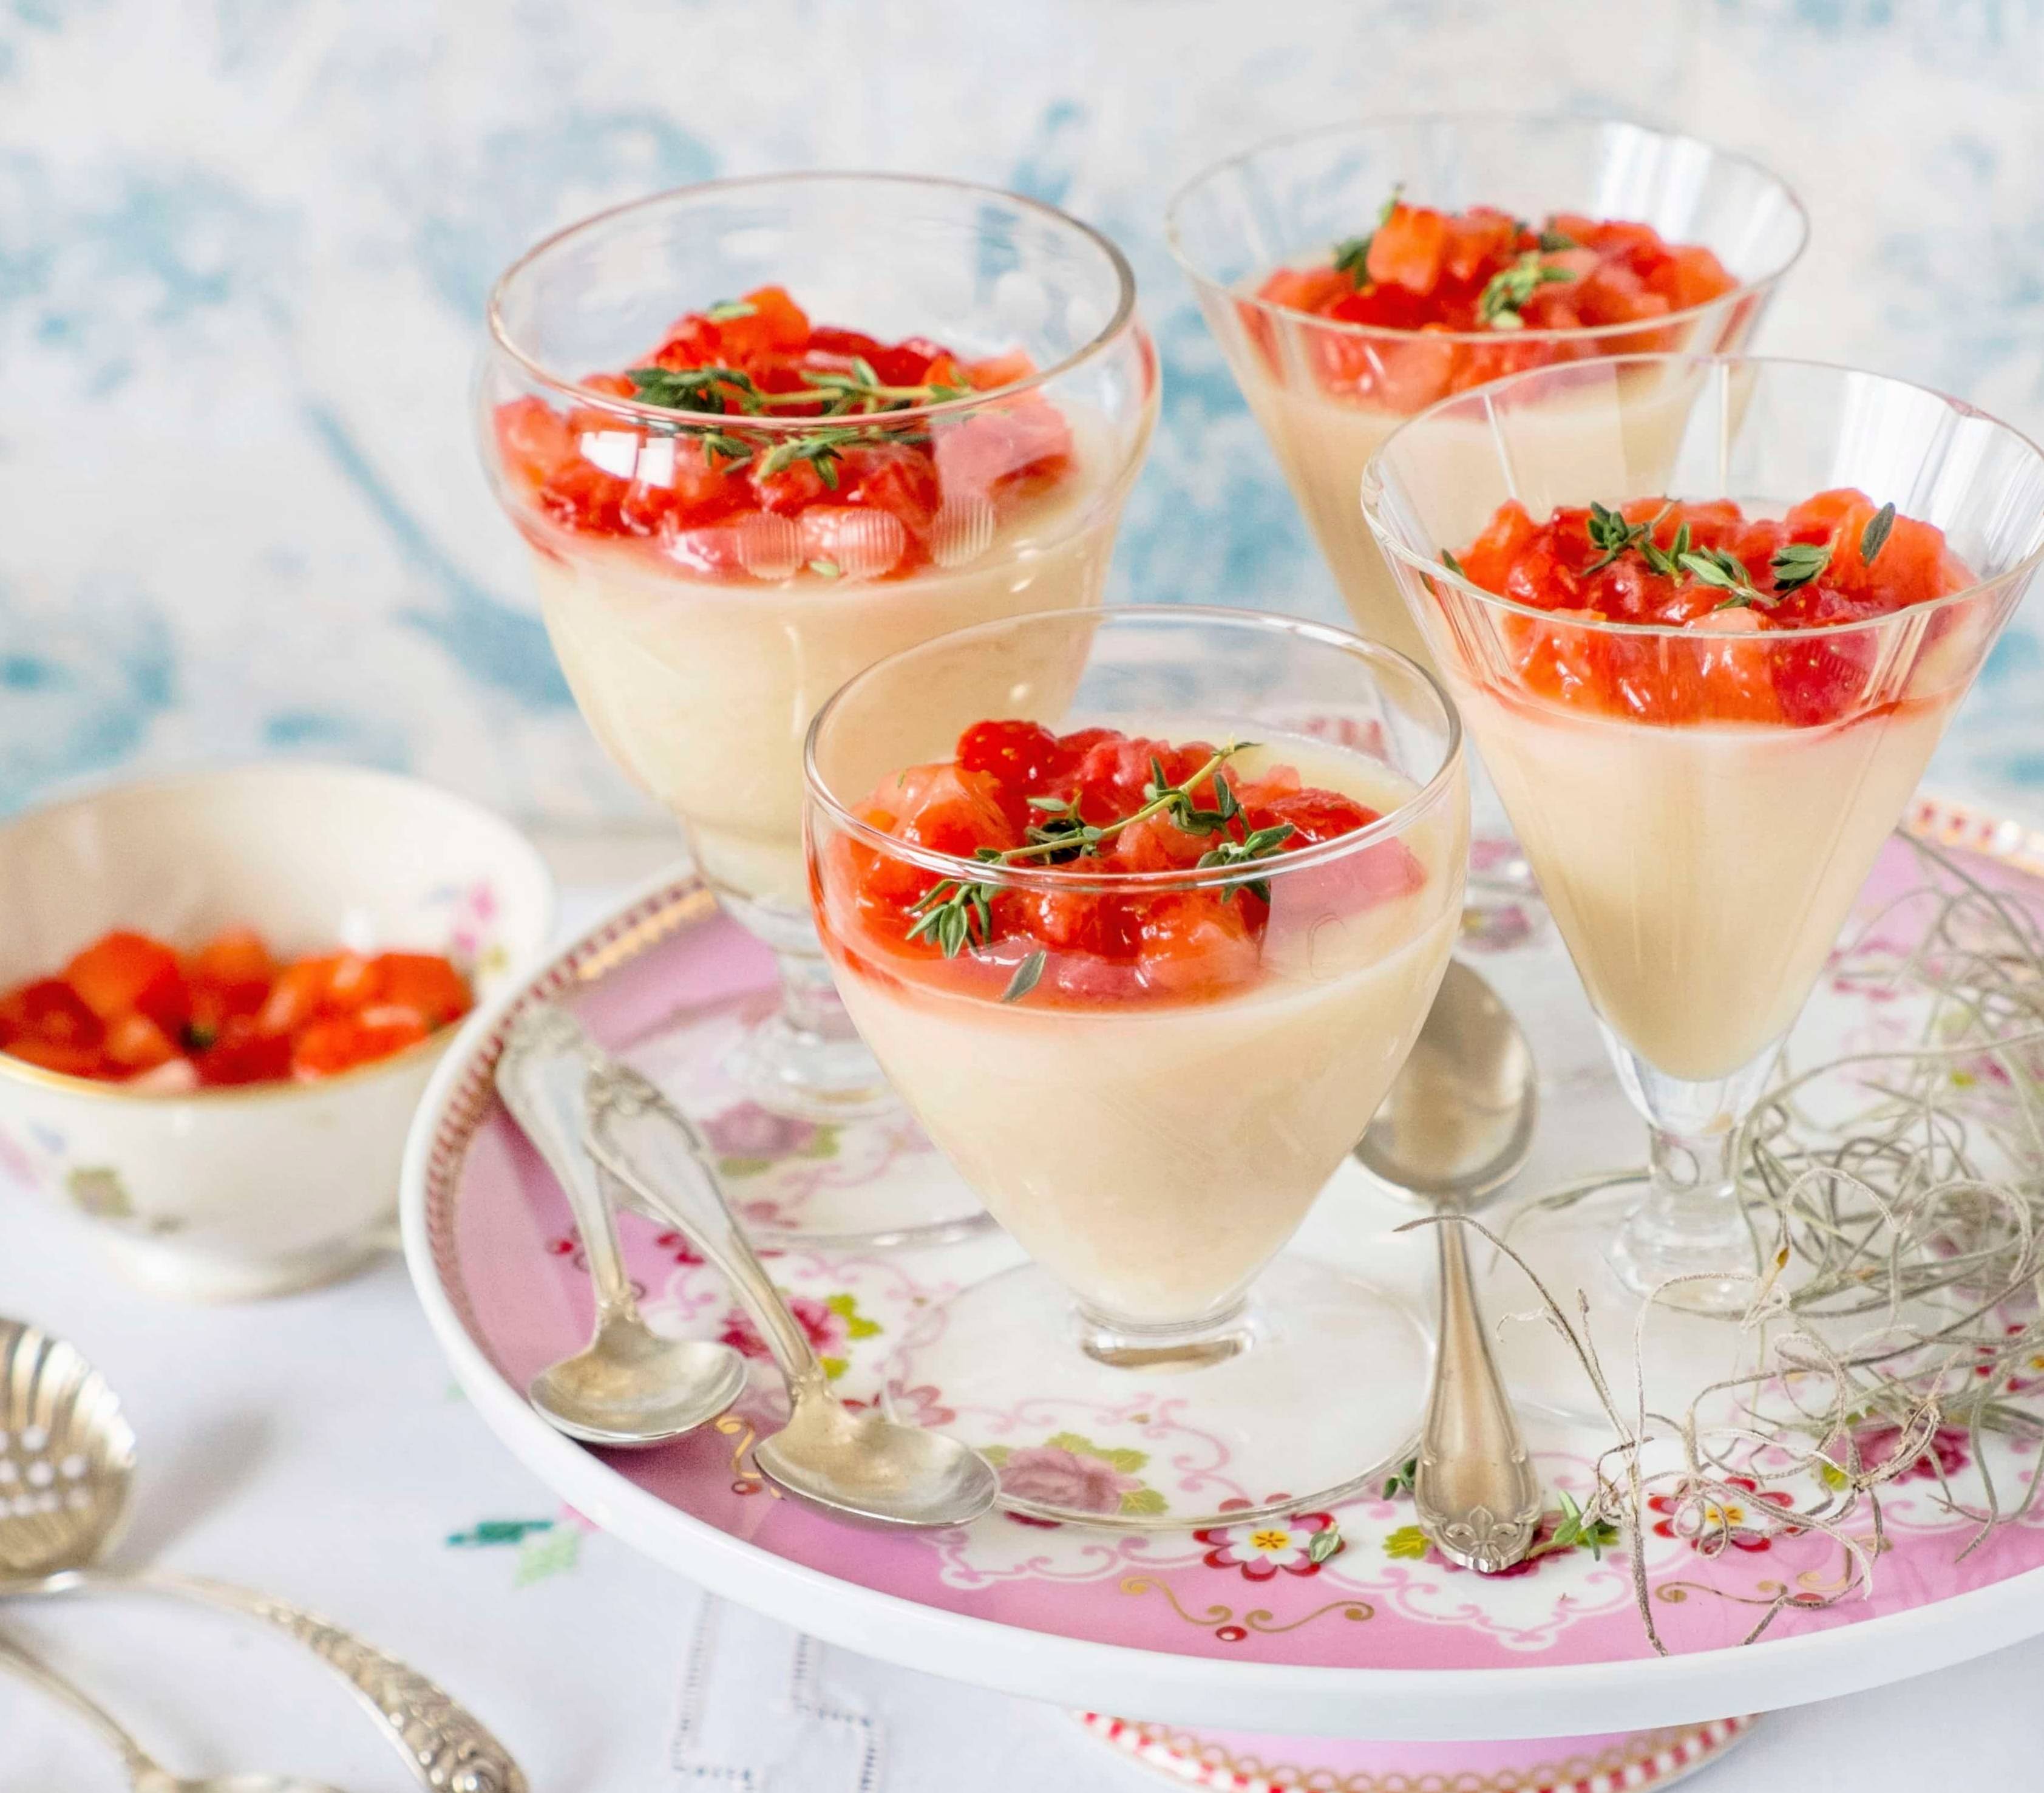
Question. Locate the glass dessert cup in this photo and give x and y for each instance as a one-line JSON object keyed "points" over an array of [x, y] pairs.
{"points": [[1328, 393], [709, 579], [1700, 853], [1152, 1132]]}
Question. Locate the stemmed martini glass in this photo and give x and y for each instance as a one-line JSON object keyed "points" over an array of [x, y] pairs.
{"points": [[1700, 807]]}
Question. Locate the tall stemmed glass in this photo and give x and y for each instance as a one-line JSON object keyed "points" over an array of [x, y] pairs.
{"points": [[708, 585], [1328, 393], [1700, 807], [1150, 1073]]}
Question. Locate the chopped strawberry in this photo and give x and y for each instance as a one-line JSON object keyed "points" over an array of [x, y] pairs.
{"points": [[1198, 944], [48, 1007], [1017, 753], [327, 1048], [129, 1008], [1313, 816], [243, 1053], [1082, 938], [1734, 584], [594, 472], [425, 984], [1479, 273], [136, 1043], [124, 973]]}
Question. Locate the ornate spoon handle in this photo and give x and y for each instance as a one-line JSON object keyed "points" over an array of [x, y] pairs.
{"points": [[446, 1749], [1474, 1487]]}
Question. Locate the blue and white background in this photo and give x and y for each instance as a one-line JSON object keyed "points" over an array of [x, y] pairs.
{"points": [[244, 246]]}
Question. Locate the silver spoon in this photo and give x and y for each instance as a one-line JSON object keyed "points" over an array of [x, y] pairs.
{"points": [[1455, 1128], [852, 1465], [628, 1387], [67, 1473], [145, 1773]]}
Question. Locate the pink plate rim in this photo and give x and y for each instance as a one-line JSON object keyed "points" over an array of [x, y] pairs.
{"points": [[1417, 1704]]}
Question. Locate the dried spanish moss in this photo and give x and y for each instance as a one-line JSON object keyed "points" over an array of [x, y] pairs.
{"points": [[1896, 1196]]}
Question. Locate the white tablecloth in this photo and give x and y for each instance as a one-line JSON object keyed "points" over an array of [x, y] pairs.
{"points": [[316, 1448]]}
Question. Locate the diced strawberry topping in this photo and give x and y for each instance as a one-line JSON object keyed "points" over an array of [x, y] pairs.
{"points": [[866, 498], [1015, 785], [1440, 275], [129, 1007], [1731, 583]]}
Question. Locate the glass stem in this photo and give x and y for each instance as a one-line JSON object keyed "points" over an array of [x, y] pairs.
{"points": [[1690, 1225], [810, 1004]]}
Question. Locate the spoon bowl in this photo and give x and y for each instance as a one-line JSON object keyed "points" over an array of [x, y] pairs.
{"points": [[864, 1467], [1459, 1123], [856, 1465], [628, 1388]]}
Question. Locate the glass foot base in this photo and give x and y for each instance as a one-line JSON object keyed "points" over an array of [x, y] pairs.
{"points": [[843, 1177], [1319, 1392], [1247, 1762]]}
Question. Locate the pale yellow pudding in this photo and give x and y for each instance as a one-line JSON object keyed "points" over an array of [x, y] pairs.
{"points": [[1701, 875], [702, 689]]}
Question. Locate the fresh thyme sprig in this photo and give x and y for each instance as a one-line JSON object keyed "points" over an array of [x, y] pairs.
{"points": [[1259, 843], [1874, 536], [1796, 563], [1608, 530], [841, 392], [1665, 561], [1508, 290], [1726, 573], [958, 913], [720, 391]]}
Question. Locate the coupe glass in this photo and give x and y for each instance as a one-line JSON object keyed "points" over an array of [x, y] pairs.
{"points": [[698, 654], [1152, 1142], [1700, 868], [1328, 393]]}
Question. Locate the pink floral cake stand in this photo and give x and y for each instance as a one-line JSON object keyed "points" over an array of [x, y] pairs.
{"points": [[1246, 1654]]}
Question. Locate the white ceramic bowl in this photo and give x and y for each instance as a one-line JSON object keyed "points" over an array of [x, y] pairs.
{"points": [[228, 1194]]}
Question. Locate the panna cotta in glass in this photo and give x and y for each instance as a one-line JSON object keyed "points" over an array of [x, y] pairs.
{"points": [[760, 434], [1355, 276], [1706, 691], [1142, 953]]}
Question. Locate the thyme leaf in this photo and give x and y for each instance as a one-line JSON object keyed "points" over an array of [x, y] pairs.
{"points": [[1508, 290]]}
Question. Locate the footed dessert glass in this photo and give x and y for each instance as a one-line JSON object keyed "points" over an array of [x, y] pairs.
{"points": [[716, 552], [1328, 393], [1150, 1074], [1701, 804]]}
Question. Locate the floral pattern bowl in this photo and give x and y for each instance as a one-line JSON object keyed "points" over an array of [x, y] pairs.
{"points": [[231, 1194]]}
